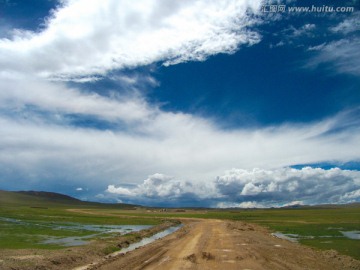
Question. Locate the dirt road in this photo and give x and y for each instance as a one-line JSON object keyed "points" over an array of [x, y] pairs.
{"points": [[215, 244]]}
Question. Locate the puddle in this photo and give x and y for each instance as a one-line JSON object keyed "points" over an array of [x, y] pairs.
{"points": [[289, 236], [101, 228], [352, 234], [83, 240], [11, 220], [67, 241], [147, 240], [355, 235]]}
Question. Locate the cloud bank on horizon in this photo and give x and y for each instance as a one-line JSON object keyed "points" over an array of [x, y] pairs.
{"points": [[81, 110], [249, 189]]}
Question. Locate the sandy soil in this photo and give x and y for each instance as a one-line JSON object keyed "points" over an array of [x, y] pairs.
{"points": [[201, 244]]}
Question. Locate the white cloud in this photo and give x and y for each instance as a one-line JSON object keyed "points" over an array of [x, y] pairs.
{"points": [[241, 205], [79, 189], [343, 54], [306, 29], [160, 186], [118, 190], [293, 203], [294, 36], [309, 185], [115, 34], [39, 145], [252, 188], [58, 98], [349, 25], [351, 196]]}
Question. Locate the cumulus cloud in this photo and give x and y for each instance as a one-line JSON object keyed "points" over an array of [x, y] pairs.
{"points": [[155, 186], [309, 185], [253, 188], [114, 34], [160, 189]]}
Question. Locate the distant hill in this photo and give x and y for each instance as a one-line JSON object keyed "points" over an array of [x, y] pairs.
{"points": [[51, 199], [48, 195]]}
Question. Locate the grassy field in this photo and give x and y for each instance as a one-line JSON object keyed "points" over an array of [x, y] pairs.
{"points": [[25, 221], [316, 227]]}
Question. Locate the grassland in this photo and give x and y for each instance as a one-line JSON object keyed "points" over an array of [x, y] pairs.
{"points": [[317, 227], [26, 220]]}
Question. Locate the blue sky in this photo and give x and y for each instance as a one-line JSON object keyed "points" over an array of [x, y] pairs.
{"points": [[181, 103]]}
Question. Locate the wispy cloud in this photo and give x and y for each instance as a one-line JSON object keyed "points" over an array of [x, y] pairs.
{"points": [[343, 55], [342, 52], [349, 25], [306, 29]]}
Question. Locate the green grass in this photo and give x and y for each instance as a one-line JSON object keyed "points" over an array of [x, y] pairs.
{"points": [[318, 223], [30, 236], [342, 245], [38, 218]]}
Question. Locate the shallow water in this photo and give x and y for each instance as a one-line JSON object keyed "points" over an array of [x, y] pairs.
{"points": [[148, 240], [352, 234], [67, 241], [290, 237], [90, 229], [355, 235], [101, 230], [11, 220]]}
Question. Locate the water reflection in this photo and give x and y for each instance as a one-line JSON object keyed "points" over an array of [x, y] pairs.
{"points": [[148, 240]]}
